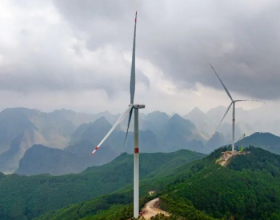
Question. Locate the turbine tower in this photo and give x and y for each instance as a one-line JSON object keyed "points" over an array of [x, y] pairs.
{"points": [[233, 108], [129, 111]]}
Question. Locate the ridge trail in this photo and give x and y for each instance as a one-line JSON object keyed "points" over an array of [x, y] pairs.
{"points": [[152, 208]]}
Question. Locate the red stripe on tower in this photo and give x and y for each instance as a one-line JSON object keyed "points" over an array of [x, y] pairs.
{"points": [[233, 120], [96, 148], [136, 150]]}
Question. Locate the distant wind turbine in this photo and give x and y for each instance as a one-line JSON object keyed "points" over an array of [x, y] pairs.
{"points": [[233, 108], [129, 111]]}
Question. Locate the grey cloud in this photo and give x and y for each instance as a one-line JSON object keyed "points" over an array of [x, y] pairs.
{"points": [[142, 78], [105, 22], [240, 39], [41, 61]]}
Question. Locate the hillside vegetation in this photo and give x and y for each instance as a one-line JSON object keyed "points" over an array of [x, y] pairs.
{"points": [[25, 197], [249, 188]]}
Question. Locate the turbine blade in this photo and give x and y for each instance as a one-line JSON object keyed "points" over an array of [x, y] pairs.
{"points": [[224, 115], [248, 101], [120, 119], [129, 119], [221, 82], [132, 76]]}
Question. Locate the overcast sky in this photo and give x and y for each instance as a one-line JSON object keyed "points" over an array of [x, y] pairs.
{"points": [[76, 54]]}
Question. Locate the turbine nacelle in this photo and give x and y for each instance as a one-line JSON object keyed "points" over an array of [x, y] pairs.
{"points": [[138, 106]]}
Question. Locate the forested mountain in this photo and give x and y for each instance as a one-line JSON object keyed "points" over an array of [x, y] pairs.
{"points": [[266, 141], [248, 188], [24, 197]]}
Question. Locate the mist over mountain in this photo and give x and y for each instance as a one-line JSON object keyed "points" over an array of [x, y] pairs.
{"points": [[216, 140], [9, 160], [155, 121], [202, 121], [12, 123], [74, 159], [92, 131], [22, 128], [180, 133]]}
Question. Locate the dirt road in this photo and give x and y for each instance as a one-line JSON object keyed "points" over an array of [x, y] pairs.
{"points": [[152, 208]]}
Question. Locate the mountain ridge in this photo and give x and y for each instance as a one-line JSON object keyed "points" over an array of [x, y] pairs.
{"points": [[199, 190], [59, 191]]}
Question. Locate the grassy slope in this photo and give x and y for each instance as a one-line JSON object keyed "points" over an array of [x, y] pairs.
{"points": [[24, 197]]}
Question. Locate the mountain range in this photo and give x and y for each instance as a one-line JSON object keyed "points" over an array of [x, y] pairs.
{"points": [[75, 158], [24, 131]]}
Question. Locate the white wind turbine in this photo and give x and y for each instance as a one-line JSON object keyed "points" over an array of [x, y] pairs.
{"points": [[233, 109], [129, 111]]}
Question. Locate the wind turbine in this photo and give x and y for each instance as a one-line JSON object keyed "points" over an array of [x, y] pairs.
{"points": [[129, 111], [233, 108]]}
